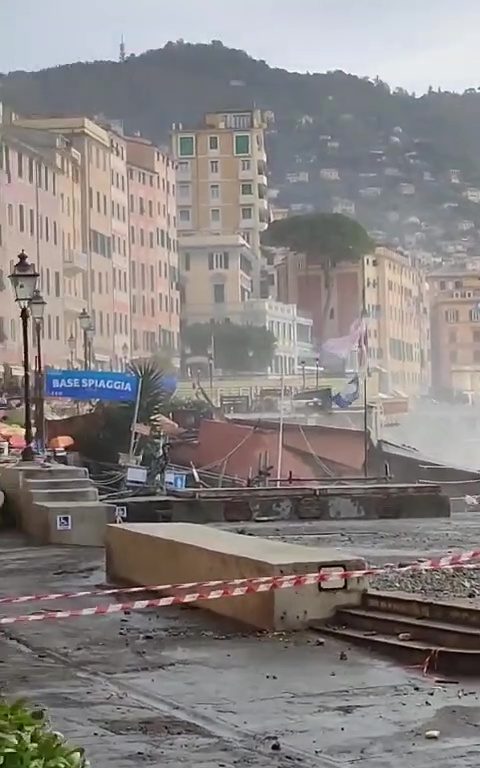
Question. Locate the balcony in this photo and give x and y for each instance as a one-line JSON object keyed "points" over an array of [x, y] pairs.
{"points": [[74, 263], [73, 305], [262, 173], [263, 213]]}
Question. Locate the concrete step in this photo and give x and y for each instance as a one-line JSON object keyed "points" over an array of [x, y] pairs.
{"points": [[84, 522], [33, 471], [424, 630], [59, 483], [416, 606], [448, 661], [69, 495]]}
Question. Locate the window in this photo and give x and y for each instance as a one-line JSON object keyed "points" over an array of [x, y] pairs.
{"points": [[32, 221], [47, 229], [90, 197], [186, 146], [183, 191], [21, 218], [186, 261], [99, 202], [160, 301], [219, 293], [141, 205], [152, 278], [30, 170], [20, 165], [142, 275], [215, 215], [57, 283], [214, 166], [100, 282], [55, 234], [183, 216], [142, 237], [245, 165], [474, 314], [218, 260], [214, 191], [150, 208], [247, 213], [105, 206], [10, 214], [247, 189], [213, 143], [150, 239], [242, 144]]}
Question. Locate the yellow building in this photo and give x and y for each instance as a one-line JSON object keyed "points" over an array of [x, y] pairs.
{"points": [[455, 327], [398, 321], [222, 178], [216, 276]]}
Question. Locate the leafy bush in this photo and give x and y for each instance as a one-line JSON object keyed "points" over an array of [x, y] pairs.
{"points": [[26, 741]]}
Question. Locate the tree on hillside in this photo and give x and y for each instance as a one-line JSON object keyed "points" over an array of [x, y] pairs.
{"points": [[326, 239], [236, 347]]}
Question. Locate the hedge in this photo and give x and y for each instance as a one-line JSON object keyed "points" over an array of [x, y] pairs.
{"points": [[27, 741]]}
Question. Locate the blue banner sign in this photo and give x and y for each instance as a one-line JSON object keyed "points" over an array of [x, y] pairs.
{"points": [[91, 385]]}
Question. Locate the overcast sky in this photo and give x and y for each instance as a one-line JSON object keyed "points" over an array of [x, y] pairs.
{"points": [[412, 43]]}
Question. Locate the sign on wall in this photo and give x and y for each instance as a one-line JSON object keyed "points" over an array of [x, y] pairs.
{"points": [[91, 385]]}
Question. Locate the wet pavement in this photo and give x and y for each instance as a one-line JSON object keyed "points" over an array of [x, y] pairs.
{"points": [[179, 688]]}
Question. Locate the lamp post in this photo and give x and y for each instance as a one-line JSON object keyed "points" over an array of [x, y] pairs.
{"points": [[37, 310], [317, 372], [125, 356], [86, 325], [24, 280], [72, 347], [302, 366]]}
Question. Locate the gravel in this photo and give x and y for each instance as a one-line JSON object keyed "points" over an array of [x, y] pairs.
{"points": [[448, 585]]}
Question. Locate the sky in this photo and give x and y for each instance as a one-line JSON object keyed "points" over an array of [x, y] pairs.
{"points": [[408, 43]]}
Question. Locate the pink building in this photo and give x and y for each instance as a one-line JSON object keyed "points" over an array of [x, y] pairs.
{"points": [[153, 250], [31, 219]]}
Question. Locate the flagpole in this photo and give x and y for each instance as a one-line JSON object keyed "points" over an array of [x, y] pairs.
{"points": [[280, 433], [365, 372]]}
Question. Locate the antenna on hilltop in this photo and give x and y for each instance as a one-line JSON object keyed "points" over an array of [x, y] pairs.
{"points": [[122, 55]]}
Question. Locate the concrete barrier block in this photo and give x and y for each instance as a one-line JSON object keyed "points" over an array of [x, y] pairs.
{"points": [[171, 553]]}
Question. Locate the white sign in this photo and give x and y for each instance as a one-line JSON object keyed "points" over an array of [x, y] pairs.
{"points": [[64, 522], [137, 475], [120, 514]]}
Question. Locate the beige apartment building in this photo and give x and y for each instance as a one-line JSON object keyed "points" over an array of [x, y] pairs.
{"points": [[154, 280], [120, 249], [216, 276], [93, 142], [398, 321], [454, 293], [222, 179], [35, 170]]}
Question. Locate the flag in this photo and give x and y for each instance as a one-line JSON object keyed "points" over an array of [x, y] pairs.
{"points": [[348, 395], [343, 345], [363, 346]]}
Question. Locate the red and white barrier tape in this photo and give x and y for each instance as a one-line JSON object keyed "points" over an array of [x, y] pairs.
{"points": [[446, 561], [214, 590]]}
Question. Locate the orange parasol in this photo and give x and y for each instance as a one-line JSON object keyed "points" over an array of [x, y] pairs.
{"points": [[61, 441]]}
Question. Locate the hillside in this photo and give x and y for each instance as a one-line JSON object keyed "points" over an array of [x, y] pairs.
{"points": [[393, 153]]}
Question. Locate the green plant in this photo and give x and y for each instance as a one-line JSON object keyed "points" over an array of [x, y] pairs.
{"points": [[26, 740]]}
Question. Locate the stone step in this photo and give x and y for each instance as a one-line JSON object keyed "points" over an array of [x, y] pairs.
{"points": [[69, 495], [58, 483], [33, 471], [424, 630]]}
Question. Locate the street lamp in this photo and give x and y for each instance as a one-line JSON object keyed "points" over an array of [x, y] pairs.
{"points": [[317, 371], [72, 346], [24, 280], [87, 327], [302, 366], [125, 356], [37, 310]]}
